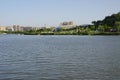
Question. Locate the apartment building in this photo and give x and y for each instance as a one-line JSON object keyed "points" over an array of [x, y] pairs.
{"points": [[2, 28], [67, 25]]}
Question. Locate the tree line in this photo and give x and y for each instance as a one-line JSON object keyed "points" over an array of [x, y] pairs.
{"points": [[108, 24]]}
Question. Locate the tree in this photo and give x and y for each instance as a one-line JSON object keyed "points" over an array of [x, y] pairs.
{"points": [[61, 29], [117, 24], [97, 23], [93, 27], [101, 28], [88, 29], [93, 22], [109, 22]]}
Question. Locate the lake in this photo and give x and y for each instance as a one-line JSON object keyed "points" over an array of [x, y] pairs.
{"points": [[36, 57]]}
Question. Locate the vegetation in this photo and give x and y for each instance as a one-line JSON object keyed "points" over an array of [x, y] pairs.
{"points": [[110, 25]]}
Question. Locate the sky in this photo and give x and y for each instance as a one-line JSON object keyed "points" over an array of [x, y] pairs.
{"points": [[53, 12]]}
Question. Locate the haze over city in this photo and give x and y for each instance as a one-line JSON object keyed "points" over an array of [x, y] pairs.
{"points": [[53, 12]]}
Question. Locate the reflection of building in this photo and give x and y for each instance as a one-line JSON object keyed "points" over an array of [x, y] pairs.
{"points": [[67, 25], [2, 28]]}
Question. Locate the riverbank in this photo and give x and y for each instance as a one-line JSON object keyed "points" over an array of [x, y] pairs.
{"points": [[62, 33]]}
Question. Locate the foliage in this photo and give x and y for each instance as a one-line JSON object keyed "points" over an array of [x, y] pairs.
{"points": [[109, 23]]}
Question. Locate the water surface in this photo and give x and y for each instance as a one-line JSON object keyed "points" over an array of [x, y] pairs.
{"points": [[59, 57]]}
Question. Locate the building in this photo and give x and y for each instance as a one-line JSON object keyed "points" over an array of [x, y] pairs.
{"points": [[2, 28], [27, 28], [22, 28], [67, 25], [9, 28], [17, 28], [35, 28]]}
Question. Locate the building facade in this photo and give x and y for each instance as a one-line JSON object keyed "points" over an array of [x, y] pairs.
{"points": [[2, 28], [17, 28], [67, 25]]}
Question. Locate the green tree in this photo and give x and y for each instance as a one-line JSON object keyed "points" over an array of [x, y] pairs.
{"points": [[111, 20], [88, 29], [61, 29], [117, 24], [101, 28], [97, 23], [92, 27]]}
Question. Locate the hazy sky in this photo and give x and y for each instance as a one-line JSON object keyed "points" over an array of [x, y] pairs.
{"points": [[52, 12]]}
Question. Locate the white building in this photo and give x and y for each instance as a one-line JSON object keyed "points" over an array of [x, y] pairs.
{"points": [[17, 28]]}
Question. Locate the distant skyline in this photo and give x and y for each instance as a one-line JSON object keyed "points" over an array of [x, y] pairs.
{"points": [[53, 12]]}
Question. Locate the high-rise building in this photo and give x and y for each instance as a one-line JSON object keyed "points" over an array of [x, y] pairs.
{"points": [[17, 28], [67, 25], [2, 28]]}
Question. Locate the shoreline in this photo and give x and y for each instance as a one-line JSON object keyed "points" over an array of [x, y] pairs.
{"points": [[62, 33]]}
